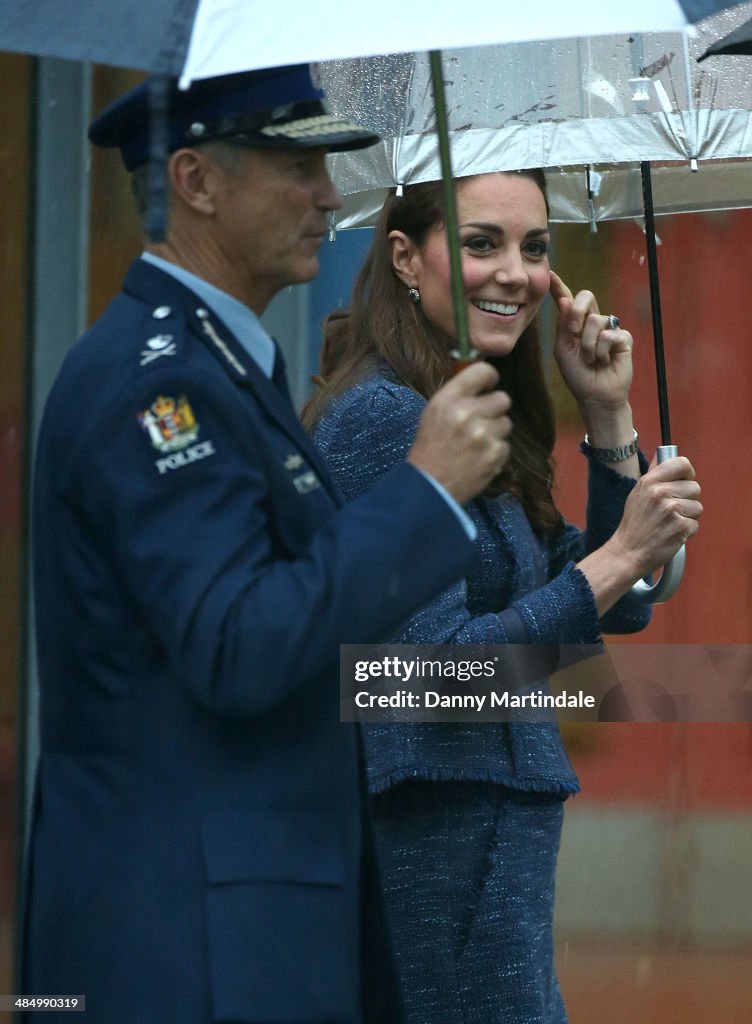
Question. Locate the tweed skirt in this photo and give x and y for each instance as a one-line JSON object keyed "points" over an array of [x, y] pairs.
{"points": [[468, 871]]}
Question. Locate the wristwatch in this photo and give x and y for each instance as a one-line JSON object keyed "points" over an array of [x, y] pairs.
{"points": [[618, 454]]}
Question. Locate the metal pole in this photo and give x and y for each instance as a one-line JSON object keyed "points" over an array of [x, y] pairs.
{"points": [[450, 208], [58, 304]]}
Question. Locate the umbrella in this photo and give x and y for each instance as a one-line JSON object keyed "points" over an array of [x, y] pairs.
{"points": [[610, 106], [607, 103], [200, 38], [614, 101], [191, 39]]}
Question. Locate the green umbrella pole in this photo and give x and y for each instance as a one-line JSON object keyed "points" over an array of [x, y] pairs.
{"points": [[450, 208]]}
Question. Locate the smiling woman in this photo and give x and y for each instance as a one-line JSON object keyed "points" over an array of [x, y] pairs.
{"points": [[468, 816], [504, 261]]}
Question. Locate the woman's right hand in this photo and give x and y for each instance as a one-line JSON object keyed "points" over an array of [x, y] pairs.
{"points": [[660, 515]]}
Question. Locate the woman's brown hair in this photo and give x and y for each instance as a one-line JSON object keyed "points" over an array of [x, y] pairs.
{"points": [[383, 326]]}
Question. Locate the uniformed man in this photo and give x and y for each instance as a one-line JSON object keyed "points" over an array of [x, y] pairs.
{"points": [[200, 848]]}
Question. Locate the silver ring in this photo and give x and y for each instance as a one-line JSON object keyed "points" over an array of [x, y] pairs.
{"points": [[612, 322]]}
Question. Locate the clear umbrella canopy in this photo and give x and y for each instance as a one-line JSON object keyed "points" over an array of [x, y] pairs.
{"points": [[566, 105], [595, 112]]}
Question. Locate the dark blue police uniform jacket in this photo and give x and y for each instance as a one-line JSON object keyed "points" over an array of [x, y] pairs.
{"points": [[200, 847]]}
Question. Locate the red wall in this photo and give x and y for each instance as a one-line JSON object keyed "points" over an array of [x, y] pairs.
{"points": [[707, 315]]}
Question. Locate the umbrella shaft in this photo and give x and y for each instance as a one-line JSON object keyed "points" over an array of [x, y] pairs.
{"points": [[450, 207], [655, 302]]}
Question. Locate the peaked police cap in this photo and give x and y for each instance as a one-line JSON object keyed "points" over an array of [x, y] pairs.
{"points": [[272, 108]]}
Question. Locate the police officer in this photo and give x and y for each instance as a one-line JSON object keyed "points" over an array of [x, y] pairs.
{"points": [[200, 846]]}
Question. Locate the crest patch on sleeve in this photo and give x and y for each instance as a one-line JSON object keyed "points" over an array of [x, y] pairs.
{"points": [[173, 429], [170, 423]]}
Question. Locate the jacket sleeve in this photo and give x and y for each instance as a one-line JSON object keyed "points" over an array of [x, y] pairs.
{"points": [[607, 494], [249, 586]]}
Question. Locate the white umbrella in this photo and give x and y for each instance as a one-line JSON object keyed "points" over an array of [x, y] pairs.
{"points": [[230, 35], [200, 38]]}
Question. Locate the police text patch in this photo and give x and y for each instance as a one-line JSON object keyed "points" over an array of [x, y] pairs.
{"points": [[185, 457]]}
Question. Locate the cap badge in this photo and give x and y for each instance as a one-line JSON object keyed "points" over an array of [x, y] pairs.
{"points": [[281, 112]]}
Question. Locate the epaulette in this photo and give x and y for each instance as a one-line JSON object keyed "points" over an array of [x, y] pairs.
{"points": [[163, 331]]}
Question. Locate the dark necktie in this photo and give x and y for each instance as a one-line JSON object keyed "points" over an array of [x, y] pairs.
{"points": [[279, 376]]}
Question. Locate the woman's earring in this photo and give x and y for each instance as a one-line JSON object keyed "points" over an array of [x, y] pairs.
{"points": [[414, 295]]}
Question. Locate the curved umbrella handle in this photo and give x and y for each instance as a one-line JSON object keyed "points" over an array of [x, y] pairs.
{"points": [[673, 571]]}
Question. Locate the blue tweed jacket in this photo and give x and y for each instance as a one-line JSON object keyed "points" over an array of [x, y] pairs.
{"points": [[363, 434]]}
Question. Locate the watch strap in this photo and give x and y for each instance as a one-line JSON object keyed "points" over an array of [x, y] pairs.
{"points": [[618, 454]]}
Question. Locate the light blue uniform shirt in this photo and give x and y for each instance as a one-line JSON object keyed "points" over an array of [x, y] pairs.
{"points": [[240, 319]]}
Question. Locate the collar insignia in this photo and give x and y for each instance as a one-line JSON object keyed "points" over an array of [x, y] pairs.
{"points": [[159, 345]]}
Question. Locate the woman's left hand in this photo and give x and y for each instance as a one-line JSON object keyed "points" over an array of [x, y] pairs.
{"points": [[594, 358]]}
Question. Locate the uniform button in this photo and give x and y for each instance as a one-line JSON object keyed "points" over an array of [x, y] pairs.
{"points": [[202, 313], [161, 312]]}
